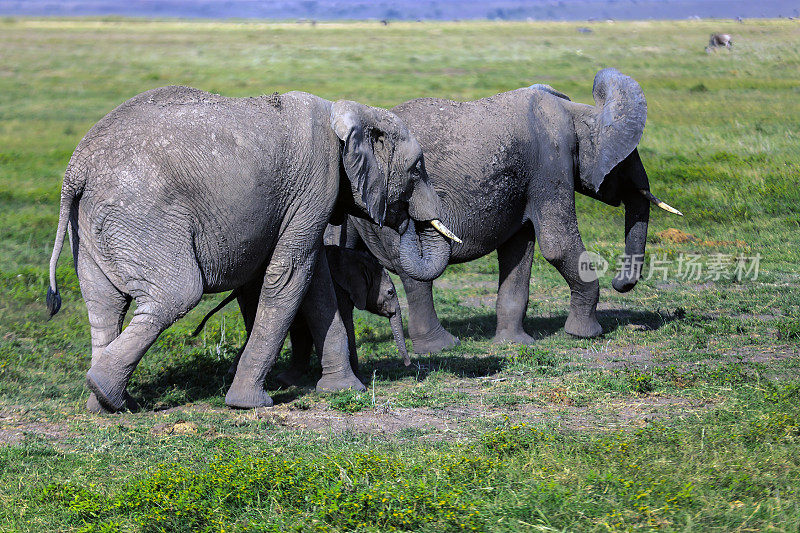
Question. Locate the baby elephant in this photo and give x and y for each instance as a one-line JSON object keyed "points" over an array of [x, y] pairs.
{"points": [[359, 281], [719, 40]]}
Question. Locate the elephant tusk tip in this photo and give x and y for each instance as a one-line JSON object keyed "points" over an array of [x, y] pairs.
{"points": [[444, 230], [663, 205]]}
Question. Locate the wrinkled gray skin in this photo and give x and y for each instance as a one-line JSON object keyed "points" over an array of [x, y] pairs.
{"points": [[507, 168], [719, 40], [359, 282], [179, 192]]}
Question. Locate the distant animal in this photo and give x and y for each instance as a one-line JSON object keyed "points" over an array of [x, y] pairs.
{"points": [[719, 40], [584, 30]]}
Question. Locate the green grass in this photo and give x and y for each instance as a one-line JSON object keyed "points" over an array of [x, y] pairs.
{"points": [[684, 416]]}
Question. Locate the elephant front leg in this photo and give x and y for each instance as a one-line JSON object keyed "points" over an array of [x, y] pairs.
{"points": [[426, 332], [515, 258], [285, 282], [329, 333], [560, 243]]}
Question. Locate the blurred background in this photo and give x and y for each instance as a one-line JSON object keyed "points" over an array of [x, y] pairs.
{"points": [[409, 9]]}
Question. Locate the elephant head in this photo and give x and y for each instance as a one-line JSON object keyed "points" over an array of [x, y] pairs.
{"points": [[369, 287], [608, 166], [389, 186]]}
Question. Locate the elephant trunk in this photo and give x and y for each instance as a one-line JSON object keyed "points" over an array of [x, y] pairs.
{"points": [[637, 215], [396, 321], [423, 255]]}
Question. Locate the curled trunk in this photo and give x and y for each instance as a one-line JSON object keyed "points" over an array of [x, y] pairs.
{"points": [[423, 255]]}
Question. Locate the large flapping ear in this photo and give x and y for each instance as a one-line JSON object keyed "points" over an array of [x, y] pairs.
{"points": [[611, 130], [357, 126]]}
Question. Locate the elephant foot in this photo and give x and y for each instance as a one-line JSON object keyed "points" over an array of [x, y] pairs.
{"points": [[340, 381], [109, 393], [516, 336], [434, 341], [291, 378], [247, 397], [94, 406], [583, 326]]}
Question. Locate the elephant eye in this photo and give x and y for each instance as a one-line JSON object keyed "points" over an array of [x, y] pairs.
{"points": [[416, 167], [390, 292]]}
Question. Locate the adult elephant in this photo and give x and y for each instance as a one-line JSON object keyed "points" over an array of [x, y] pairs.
{"points": [[506, 169], [178, 192]]}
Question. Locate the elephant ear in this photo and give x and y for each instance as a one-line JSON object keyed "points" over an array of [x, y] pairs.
{"points": [[611, 130], [356, 126], [546, 88]]}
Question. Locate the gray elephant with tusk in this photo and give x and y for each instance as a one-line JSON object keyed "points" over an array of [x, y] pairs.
{"points": [[359, 282], [506, 169], [178, 192]]}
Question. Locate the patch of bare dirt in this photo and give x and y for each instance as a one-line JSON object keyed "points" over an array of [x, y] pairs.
{"points": [[485, 300], [384, 419], [14, 428], [181, 427], [455, 422], [626, 413], [642, 358]]}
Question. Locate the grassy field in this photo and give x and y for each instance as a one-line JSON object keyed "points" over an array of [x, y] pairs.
{"points": [[684, 416]]}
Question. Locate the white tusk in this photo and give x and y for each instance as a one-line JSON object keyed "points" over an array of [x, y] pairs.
{"points": [[441, 228], [663, 205]]}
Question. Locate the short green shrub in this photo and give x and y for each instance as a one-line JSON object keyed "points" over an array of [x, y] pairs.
{"points": [[349, 401], [788, 328], [339, 492]]}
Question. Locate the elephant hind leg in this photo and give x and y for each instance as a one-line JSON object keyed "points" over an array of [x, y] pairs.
{"points": [[515, 258], [248, 305], [302, 344], [159, 305], [106, 306]]}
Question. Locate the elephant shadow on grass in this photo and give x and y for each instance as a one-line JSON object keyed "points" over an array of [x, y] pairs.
{"points": [[464, 362], [171, 379], [482, 326], [183, 375]]}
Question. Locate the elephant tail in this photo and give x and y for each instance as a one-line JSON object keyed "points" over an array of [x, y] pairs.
{"points": [[228, 299], [71, 190]]}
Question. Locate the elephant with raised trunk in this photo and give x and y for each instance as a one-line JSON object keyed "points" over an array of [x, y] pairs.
{"points": [[178, 192], [506, 169]]}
